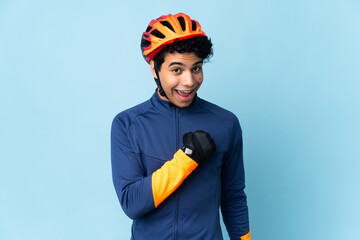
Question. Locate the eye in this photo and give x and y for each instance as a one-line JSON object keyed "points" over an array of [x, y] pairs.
{"points": [[176, 70], [197, 69]]}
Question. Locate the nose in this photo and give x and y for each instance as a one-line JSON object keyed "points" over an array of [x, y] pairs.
{"points": [[188, 79]]}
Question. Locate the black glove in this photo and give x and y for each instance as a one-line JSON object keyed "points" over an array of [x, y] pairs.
{"points": [[198, 145]]}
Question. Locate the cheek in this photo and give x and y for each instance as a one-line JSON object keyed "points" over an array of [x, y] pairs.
{"points": [[200, 79], [168, 81]]}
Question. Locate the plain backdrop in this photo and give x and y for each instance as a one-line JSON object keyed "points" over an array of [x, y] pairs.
{"points": [[289, 70]]}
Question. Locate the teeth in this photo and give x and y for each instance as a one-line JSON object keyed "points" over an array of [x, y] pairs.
{"points": [[189, 91]]}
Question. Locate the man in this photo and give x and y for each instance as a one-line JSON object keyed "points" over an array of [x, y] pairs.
{"points": [[177, 158]]}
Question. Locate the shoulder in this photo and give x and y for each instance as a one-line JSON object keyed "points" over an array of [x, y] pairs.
{"points": [[223, 114], [128, 116]]}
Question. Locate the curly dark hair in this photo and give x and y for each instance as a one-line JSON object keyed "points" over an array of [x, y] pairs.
{"points": [[201, 46]]}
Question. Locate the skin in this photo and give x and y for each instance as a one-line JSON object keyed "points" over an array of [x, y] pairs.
{"points": [[180, 72]]}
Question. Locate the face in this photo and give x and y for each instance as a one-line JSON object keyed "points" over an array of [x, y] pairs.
{"points": [[181, 75]]}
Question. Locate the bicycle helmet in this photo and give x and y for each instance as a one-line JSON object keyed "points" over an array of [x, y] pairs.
{"points": [[166, 30]]}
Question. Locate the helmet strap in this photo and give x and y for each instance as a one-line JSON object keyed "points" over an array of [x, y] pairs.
{"points": [[161, 90], [158, 83]]}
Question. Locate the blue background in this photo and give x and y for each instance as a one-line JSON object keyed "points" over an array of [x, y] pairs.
{"points": [[288, 69]]}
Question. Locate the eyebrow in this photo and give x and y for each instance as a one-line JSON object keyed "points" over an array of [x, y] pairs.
{"points": [[181, 64]]}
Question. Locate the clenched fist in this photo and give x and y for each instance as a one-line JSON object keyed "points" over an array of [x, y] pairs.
{"points": [[198, 145]]}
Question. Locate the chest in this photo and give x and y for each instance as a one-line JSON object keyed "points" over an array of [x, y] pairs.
{"points": [[157, 137]]}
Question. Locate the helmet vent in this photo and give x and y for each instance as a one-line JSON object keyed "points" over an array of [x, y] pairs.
{"points": [[148, 29], [182, 23], [194, 25], [168, 25], [145, 43], [158, 34]]}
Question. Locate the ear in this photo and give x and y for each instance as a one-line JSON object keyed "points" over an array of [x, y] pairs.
{"points": [[152, 68]]}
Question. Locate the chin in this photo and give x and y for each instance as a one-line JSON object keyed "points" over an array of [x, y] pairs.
{"points": [[183, 104]]}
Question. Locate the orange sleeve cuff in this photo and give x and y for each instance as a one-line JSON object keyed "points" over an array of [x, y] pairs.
{"points": [[169, 177], [246, 236]]}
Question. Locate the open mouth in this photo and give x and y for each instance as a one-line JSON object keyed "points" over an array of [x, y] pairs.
{"points": [[185, 93]]}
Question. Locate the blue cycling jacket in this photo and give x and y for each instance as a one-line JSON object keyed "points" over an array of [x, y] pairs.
{"points": [[165, 192]]}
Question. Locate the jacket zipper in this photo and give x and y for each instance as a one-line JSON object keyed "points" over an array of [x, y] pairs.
{"points": [[177, 193]]}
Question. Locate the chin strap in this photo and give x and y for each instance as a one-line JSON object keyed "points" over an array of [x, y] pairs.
{"points": [[158, 83]]}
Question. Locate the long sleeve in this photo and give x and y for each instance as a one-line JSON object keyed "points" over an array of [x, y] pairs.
{"points": [[233, 199], [139, 194]]}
